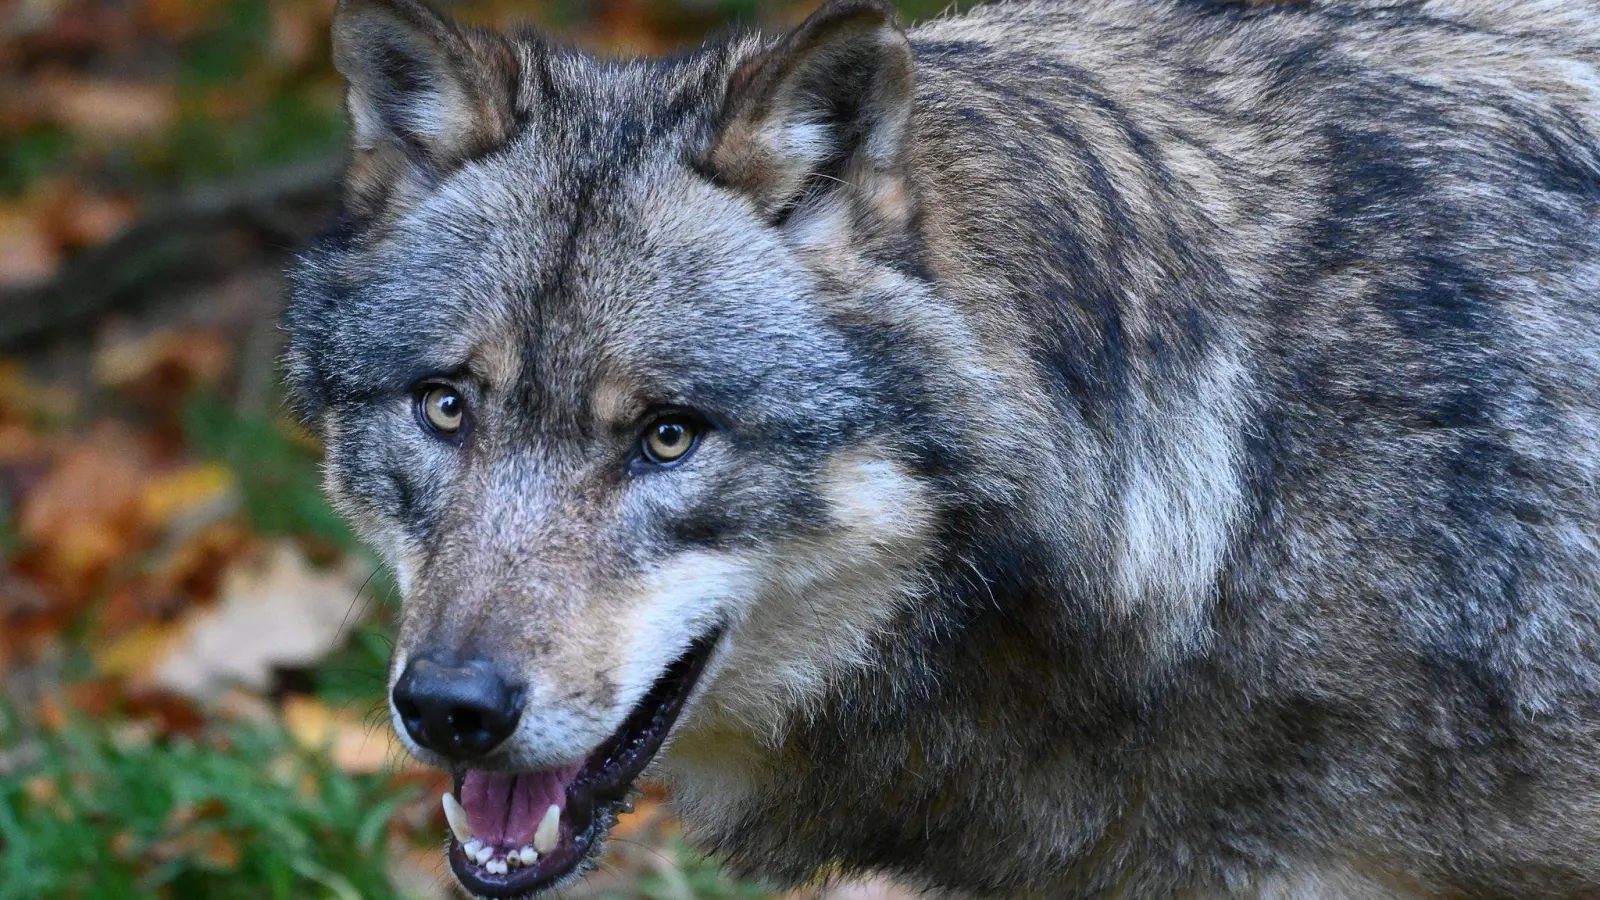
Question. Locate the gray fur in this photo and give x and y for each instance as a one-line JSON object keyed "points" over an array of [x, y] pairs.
{"points": [[1157, 454]]}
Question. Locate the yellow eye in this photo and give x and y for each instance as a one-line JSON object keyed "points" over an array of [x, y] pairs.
{"points": [[444, 409], [668, 441]]}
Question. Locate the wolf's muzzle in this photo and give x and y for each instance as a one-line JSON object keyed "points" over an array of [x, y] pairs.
{"points": [[459, 709]]}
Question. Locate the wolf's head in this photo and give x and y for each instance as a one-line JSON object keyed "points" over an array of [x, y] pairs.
{"points": [[628, 370]]}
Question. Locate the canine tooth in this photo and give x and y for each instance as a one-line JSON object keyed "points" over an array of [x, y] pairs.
{"points": [[471, 848], [544, 839], [457, 817], [527, 855]]}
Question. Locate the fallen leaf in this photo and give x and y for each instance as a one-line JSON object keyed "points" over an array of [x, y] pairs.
{"points": [[296, 30], [169, 712], [20, 597], [84, 513], [240, 705], [188, 570], [28, 255], [648, 816], [21, 446], [108, 111], [24, 400], [204, 492], [83, 219], [49, 713], [277, 611], [171, 359], [355, 745], [137, 651], [213, 848], [179, 19]]}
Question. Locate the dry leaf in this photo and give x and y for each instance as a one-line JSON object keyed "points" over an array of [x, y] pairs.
{"points": [[28, 254], [83, 219], [186, 573], [84, 514], [23, 399], [137, 651], [296, 30], [239, 705], [273, 612], [355, 745], [108, 111], [215, 849], [196, 494], [174, 359], [21, 446]]}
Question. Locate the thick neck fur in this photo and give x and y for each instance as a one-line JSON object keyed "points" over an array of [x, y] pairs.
{"points": [[1206, 665]]}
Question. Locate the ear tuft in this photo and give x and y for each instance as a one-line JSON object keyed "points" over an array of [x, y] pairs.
{"points": [[829, 104], [424, 94]]}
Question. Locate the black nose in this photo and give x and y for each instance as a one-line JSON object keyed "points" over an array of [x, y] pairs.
{"points": [[453, 707]]}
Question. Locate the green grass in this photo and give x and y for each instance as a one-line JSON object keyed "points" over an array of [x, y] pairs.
{"points": [[30, 156], [8, 530], [239, 813], [690, 877], [100, 812]]}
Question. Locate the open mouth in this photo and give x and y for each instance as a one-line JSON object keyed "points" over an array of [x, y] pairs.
{"points": [[513, 834]]}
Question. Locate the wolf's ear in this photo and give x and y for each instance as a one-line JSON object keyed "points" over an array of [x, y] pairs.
{"points": [[825, 110], [424, 95]]}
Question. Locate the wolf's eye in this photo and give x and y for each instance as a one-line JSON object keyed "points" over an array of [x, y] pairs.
{"points": [[669, 440], [443, 408]]}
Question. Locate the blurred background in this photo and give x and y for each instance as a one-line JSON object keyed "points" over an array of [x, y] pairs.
{"points": [[192, 644]]}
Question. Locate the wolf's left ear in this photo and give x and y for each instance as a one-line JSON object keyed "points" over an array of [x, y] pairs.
{"points": [[424, 95], [825, 110]]}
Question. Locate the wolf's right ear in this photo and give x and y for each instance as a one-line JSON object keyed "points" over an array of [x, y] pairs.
{"points": [[425, 94], [826, 110]]}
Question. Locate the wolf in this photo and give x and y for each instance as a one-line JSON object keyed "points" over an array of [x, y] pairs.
{"points": [[1116, 449]]}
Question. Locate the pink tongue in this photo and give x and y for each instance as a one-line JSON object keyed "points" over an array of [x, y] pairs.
{"points": [[505, 809]]}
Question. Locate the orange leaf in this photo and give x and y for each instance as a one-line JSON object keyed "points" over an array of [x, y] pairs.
{"points": [[28, 255], [138, 652], [355, 746], [84, 219], [84, 513], [196, 492], [24, 399], [172, 359], [106, 110]]}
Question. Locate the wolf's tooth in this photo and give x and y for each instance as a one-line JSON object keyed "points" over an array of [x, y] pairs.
{"points": [[484, 853], [496, 867], [456, 815], [513, 860], [544, 839], [471, 848], [527, 854]]}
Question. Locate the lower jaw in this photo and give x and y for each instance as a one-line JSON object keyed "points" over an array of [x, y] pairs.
{"points": [[596, 797], [571, 858]]}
